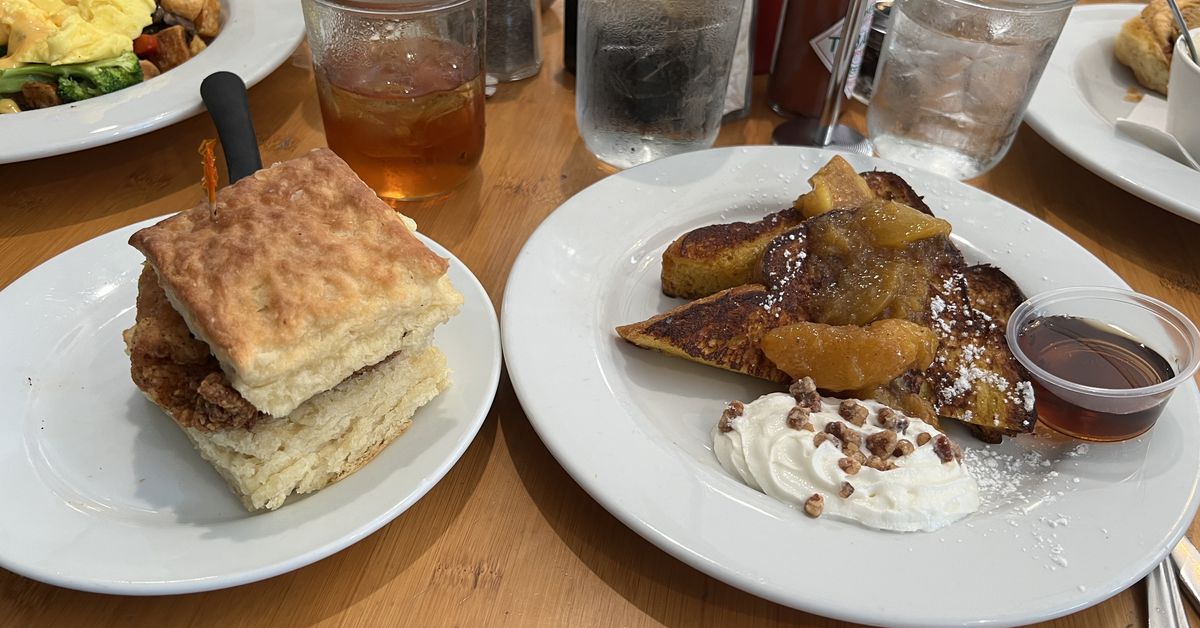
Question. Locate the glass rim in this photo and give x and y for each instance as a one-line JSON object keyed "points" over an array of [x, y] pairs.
{"points": [[1163, 311], [392, 7], [1015, 6]]}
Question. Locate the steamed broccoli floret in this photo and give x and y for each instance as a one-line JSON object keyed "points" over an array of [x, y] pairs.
{"points": [[77, 81], [12, 80]]}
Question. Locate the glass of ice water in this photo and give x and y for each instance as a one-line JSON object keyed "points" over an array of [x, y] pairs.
{"points": [[955, 78], [651, 75]]}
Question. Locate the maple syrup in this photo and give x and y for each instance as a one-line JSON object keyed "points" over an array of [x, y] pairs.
{"points": [[1094, 354]]}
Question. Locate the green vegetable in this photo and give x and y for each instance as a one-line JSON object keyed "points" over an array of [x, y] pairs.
{"points": [[77, 81]]}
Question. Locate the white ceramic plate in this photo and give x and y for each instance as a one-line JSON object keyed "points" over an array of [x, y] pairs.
{"points": [[1067, 527], [256, 37], [1079, 99], [104, 493]]}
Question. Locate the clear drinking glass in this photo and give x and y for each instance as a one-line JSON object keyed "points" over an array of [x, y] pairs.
{"points": [[651, 75], [514, 39], [401, 89], [955, 78]]}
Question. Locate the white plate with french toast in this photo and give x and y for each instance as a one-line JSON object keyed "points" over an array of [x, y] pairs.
{"points": [[1079, 98], [1059, 524], [107, 494]]}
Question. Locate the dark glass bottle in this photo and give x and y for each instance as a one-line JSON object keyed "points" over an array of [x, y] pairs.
{"points": [[570, 30], [799, 79]]}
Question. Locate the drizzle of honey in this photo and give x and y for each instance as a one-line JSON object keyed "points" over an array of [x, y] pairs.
{"points": [[1093, 354]]}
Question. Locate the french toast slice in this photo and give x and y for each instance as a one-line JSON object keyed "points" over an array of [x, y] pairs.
{"points": [[722, 330], [712, 258], [802, 276], [709, 259], [831, 269], [725, 329], [977, 379]]}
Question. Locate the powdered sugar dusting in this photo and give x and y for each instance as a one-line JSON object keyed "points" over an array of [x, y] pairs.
{"points": [[778, 282], [974, 366], [1022, 488]]}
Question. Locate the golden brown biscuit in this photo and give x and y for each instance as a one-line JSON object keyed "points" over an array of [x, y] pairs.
{"points": [[299, 276], [1147, 41]]}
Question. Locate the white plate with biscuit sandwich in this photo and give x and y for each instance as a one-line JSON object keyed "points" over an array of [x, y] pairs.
{"points": [[1085, 88], [259, 384], [1056, 524]]}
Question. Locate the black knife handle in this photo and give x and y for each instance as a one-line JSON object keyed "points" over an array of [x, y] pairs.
{"points": [[224, 94]]}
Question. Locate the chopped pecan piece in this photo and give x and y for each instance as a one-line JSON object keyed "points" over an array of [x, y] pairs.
{"points": [[893, 420], [844, 433], [797, 419], [943, 448], [858, 457], [903, 448], [849, 465], [853, 412], [814, 505], [882, 443], [846, 490], [803, 386], [734, 410], [850, 448], [922, 438], [821, 437], [880, 464], [805, 392]]}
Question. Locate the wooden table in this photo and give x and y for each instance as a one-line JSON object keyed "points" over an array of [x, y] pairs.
{"points": [[507, 538]]}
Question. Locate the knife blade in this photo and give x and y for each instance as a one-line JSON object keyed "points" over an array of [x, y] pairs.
{"points": [[1187, 560]]}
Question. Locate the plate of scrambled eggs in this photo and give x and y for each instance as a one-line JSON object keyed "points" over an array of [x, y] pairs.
{"points": [[75, 74]]}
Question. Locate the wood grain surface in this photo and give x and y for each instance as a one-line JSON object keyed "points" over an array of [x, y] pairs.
{"points": [[507, 538]]}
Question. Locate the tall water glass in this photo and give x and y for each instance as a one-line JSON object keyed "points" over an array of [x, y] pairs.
{"points": [[955, 78], [651, 75]]}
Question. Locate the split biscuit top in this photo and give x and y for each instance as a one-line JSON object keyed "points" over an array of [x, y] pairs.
{"points": [[297, 278]]}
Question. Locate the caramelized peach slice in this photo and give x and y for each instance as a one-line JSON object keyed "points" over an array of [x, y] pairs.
{"points": [[895, 225], [835, 186], [870, 263], [849, 357]]}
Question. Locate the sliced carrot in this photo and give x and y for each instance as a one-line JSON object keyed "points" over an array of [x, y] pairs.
{"points": [[209, 159]]}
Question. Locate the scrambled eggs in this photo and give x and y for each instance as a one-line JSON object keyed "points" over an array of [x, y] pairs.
{"points": [[69, 31]]}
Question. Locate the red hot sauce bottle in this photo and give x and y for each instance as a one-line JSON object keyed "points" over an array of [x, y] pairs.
{"points": [[799, 75]]}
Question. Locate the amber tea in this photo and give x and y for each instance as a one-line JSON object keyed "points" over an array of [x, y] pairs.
{"points": [[406, 114]]}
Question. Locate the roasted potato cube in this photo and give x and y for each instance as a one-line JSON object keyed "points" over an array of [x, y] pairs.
{"points": [[208, 23], [39, 95], [184, 8], [196, 46], [149, 70], [173, 48]]}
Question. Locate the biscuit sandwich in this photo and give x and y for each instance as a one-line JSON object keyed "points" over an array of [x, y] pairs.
{"points": [[287, 328]]}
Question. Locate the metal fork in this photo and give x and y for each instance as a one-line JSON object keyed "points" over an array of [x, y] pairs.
{"points": [[1187, 35], [1163, 602]]}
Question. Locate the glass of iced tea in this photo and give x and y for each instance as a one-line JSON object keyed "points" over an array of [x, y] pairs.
{"points": [[401, 89]]}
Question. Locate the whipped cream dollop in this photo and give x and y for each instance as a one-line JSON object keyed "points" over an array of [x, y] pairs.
{"points": [[920, 493]]}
